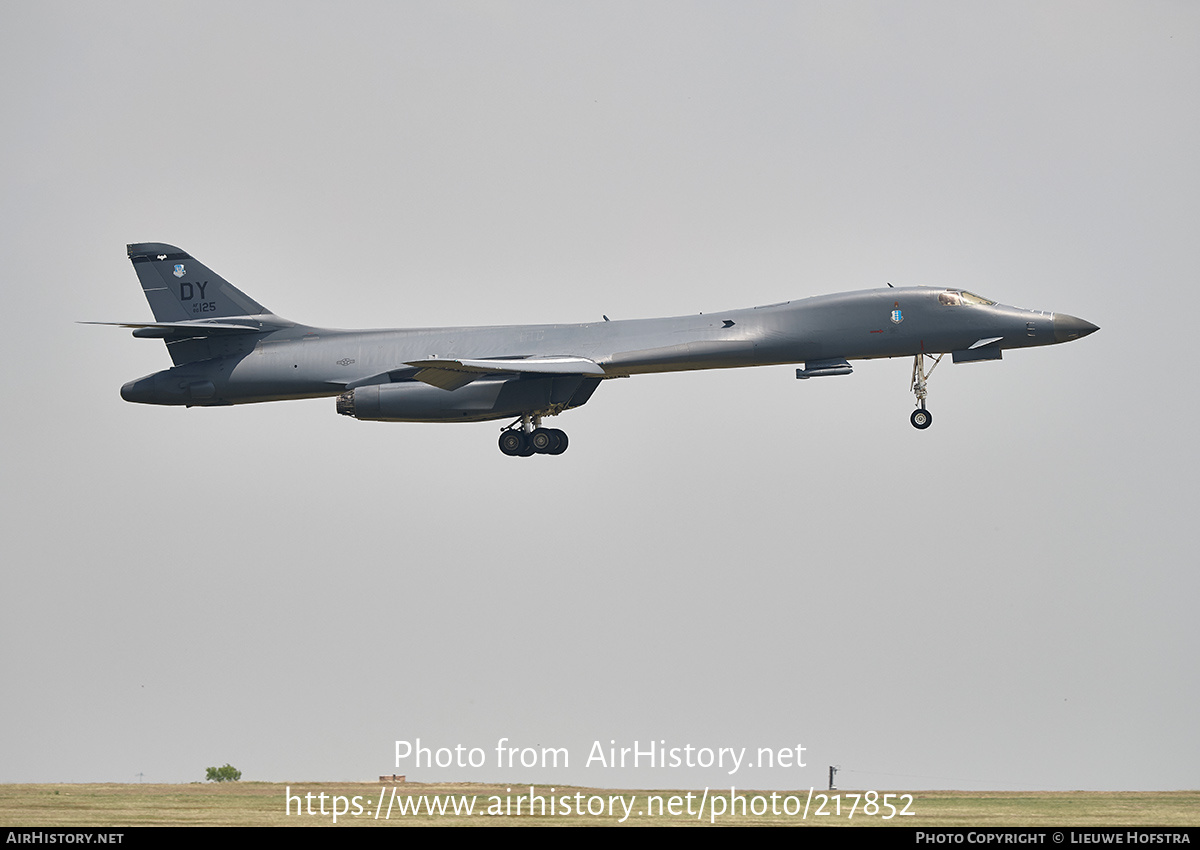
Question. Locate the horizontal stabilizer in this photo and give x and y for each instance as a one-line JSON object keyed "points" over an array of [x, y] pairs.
{"points": [[173, 330]]}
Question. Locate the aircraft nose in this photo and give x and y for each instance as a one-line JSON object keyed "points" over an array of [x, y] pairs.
{"points": [[1068, 327]]}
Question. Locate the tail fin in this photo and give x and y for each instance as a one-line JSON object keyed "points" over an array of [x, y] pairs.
{"points": [[180, 288]]}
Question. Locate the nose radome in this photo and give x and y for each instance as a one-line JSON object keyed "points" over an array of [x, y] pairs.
{"points": [[1067, 327]]}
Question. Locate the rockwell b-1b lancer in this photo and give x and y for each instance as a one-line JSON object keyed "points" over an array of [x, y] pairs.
{"points": [[229, 349]]}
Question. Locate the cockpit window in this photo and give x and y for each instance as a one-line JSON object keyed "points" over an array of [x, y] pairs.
{"points": [[953, 298]]}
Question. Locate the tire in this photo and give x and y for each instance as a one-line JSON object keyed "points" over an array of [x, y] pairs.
{"points": [[542, 441], [561, 445], [513, 443], [921, 419]]}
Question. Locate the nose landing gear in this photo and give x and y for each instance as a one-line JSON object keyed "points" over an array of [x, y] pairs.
{"points": [[922, 418]]}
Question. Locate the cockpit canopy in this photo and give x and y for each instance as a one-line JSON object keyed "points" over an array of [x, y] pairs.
{"points": [[959, 297]]}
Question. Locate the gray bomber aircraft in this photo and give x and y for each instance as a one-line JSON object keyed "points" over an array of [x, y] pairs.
{"points": [[229, 349]]}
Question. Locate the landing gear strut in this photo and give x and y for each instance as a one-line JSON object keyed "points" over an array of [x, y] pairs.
{"points": [[527, 437], [922, 418]]}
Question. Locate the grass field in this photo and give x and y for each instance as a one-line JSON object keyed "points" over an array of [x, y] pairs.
{"points": [[266, 804]]}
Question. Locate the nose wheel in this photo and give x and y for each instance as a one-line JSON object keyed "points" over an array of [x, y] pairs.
{"points": [[922, 418]]}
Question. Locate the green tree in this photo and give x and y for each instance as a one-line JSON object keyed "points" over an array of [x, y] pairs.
{"points": [[228, 773]]}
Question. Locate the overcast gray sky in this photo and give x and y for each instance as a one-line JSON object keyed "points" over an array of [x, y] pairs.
{"points": [[724, 559]]}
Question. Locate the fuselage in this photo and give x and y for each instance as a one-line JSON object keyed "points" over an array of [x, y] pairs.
{"points": [[304, 362]]}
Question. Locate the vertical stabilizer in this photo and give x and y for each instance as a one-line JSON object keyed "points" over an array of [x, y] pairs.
{"points": [[180, 288]]}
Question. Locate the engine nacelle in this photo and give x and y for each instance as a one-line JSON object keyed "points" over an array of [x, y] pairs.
{"points": [[478, 401]]}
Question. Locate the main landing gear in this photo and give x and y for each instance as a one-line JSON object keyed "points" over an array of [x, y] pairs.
{"points": [[527, 437], [922, 418]]}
